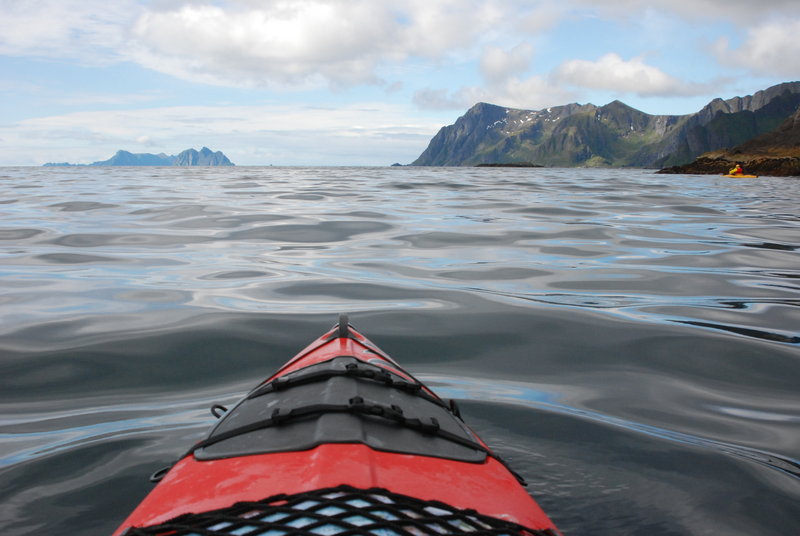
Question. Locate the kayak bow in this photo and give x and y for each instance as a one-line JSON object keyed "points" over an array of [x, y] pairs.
{"points": [[340, 440]]}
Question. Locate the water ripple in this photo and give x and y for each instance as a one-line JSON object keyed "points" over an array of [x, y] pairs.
{"points": [[546, 399], [636, 335]]}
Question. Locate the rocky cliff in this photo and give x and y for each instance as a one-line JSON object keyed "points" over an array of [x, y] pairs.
{"points": [[611, 135], [775, 153], [203, 157]]}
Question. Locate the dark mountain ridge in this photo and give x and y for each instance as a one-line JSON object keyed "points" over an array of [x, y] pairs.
{"points": [[611, 135]]}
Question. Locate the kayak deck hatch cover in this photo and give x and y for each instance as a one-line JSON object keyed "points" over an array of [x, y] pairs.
{"points": [[339, 441]]}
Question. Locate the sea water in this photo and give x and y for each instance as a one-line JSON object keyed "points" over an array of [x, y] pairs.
{"points": [[628, 342]]}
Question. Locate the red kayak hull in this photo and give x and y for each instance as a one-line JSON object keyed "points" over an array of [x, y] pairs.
{"points": [[194, 485]]}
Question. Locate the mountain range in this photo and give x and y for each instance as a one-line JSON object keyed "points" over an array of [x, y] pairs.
{"points": [[189, 157], [614, 135]]}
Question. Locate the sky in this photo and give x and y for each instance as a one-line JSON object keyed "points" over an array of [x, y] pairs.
{"points": [[356, 82]]}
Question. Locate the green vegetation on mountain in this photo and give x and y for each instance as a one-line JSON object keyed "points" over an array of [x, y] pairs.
{"points": [[614, 135]]}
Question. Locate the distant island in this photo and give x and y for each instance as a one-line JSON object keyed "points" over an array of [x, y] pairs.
{"points": [[189, 157]]}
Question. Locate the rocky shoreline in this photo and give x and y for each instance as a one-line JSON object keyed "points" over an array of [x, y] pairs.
{"points": [[511, 164], [775, 166]]}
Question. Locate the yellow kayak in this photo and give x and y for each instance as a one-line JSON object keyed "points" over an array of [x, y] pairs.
{"points": [[741, 176]]}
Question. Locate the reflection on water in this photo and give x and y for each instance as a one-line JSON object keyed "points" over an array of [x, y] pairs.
{"points": [[628, 341]]}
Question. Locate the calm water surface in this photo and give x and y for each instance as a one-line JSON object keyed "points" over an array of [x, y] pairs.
{"points": [[629, 342]]}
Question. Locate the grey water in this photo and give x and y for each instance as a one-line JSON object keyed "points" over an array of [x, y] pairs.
{"points": [[628, 342]]}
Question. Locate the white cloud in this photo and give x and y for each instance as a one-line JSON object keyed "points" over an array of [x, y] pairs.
{"points": [[314, 43], [147, 141], [92, 31], [443, 99], [612, 73], [534, 92], [283, 43], [770, 48], [436, 28], [532, 19], [305, 42], [740, 11], [498, 64], [286, 43], [503, 72]]}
